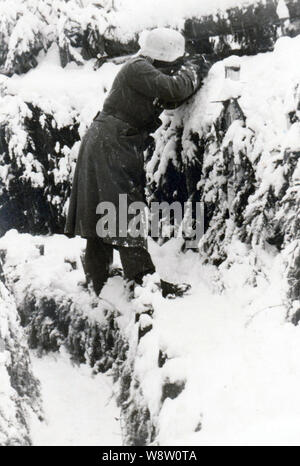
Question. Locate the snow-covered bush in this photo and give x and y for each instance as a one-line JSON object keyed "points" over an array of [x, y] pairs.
{"points": [[36, 167], [86, 29], [29, 26], [19, 395], [53, 306], [42, 116], [241, 158]]}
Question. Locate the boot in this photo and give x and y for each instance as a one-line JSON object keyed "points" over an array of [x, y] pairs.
{"points": [[153, 283], [129, 286], [173, 290], [115, 272]]}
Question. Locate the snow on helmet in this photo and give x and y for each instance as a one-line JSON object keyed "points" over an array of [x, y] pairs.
{"points": [[162, 44]]}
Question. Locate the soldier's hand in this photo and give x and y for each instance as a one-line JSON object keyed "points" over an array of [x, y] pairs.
{"points": [[201, 65]]}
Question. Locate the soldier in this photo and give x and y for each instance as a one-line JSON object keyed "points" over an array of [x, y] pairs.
{"points": [[111, 163]]}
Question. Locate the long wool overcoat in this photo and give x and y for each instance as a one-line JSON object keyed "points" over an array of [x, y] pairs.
{"points": [[110, 160]]}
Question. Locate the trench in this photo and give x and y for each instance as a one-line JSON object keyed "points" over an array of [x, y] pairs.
{"points": [[79, 407]]}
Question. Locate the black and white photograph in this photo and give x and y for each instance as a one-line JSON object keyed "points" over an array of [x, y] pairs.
{"points": [[149, 226]]}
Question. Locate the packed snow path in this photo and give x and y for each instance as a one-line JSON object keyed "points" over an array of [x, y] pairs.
{"points": [[79, 409]]}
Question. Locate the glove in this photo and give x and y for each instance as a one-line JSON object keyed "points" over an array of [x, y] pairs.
{"points": [[201, 66]]}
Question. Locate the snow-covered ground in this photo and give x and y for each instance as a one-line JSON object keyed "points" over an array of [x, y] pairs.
{"points": [[79, 408], [237, 353], [233, 348]]}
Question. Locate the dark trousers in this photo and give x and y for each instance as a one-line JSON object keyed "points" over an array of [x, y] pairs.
{"points": [[136, 262]]}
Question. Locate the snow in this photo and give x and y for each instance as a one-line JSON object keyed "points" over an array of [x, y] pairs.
{"points": [[266, 81], [65, 92], [79, 408], [15, 402], [38, 23], [236, 352], [240, 359], [79, 92], [282, 10], [159, 13], [268, 90], [9, 424], [229, 341]]}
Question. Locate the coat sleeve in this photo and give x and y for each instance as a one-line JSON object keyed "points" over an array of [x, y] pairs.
{"points": [[203, 67], [149, 81]]}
